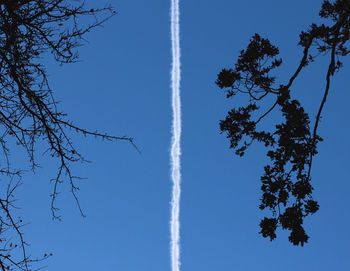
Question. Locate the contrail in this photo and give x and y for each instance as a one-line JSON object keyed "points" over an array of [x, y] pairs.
{"points": [[176, 131]]}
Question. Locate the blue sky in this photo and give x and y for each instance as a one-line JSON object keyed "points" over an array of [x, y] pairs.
{"points": [[122, 87]]}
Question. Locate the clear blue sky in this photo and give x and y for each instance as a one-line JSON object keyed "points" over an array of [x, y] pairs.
{"points": [[122, 87]]}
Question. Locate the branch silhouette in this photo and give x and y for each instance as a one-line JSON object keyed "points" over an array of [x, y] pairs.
{"points": [[286, 188], [31, 30]]}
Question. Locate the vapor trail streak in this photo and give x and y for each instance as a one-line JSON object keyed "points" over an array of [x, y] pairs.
{"points": [[176, 131]]}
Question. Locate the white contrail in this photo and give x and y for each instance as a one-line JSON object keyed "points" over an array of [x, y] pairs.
{"points": [[176, 130]]}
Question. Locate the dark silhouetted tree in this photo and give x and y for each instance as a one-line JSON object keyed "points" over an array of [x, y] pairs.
{"points": [[31, 30], [286, 188]]}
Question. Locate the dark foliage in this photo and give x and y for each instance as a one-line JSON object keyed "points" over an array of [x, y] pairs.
{"points": [[29, 31], [286, 187]]}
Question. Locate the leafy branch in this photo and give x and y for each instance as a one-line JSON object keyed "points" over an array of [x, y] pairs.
{"points": [[286, 182]]}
